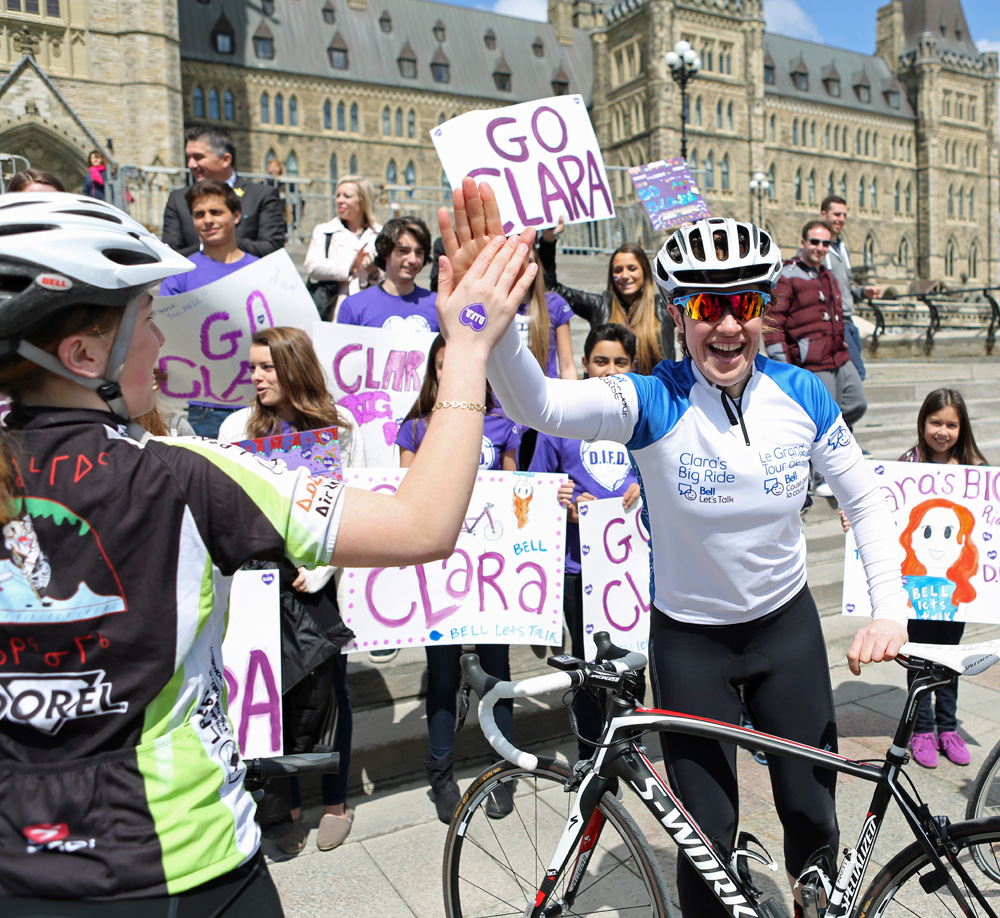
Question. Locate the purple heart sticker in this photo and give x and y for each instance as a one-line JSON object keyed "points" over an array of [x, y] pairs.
{"points": [[583, 509], [589, 629], [474, 316], [850, 607], [992, 555], [585, 549], [879, 469], [267, 578], [588, 589], [987, 536]]}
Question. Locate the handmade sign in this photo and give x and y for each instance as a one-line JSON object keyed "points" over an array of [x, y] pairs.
{"points": [[375, 374], [208, 330], [541, 158], [316, 450], [948, 527], [668, 193], [614, 562], [251, 656], [502, 585]]}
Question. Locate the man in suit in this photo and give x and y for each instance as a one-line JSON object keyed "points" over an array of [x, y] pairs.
{"points": [[211, 154]]}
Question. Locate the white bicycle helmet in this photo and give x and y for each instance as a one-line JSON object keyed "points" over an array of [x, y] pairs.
{"points": [[716, 254], [60, 250]]}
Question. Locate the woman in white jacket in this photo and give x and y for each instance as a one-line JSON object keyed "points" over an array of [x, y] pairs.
{"points": [[340, 258]]}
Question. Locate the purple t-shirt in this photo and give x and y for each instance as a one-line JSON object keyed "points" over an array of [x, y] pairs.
{"points": [[377, 309], [602, 468], [205, 271], [500, 434], [559, 314]]}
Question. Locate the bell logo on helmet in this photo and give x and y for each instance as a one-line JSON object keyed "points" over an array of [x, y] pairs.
{"points": [[54, 282]]}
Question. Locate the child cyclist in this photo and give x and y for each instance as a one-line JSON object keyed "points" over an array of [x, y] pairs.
{"points": [[122, 785]]}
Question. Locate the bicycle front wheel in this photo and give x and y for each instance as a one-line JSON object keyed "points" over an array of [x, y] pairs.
{"points": [[985, 801], [495, 867], [911, 885]]}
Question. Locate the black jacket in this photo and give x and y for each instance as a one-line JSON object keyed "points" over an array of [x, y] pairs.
{"points": [[261, 229]]}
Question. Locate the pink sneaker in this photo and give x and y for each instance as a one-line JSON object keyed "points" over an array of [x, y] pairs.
{"points": [[954, 748], [924, 747]]}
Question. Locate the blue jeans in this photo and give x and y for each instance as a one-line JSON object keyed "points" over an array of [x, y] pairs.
{"points": [[852, 337], [206, 421]]}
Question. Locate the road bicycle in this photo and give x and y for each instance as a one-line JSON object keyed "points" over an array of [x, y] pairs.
{"points": [[493, 528], [571, 848], [985, 801]]}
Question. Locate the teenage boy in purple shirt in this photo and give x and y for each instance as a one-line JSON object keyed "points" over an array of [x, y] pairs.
{"points": [[401, 250], [596, 470]]}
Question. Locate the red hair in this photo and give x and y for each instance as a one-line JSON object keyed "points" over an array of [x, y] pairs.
{"points": [[968, 558]]}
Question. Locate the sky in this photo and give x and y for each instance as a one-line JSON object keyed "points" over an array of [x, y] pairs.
{"points": [[845, 24]]}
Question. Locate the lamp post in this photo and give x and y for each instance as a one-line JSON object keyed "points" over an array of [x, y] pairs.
{"points": [[760, 184], [684, 65]]}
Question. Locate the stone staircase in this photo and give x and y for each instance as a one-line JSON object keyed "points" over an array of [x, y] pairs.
{"points": [[390, 739]]}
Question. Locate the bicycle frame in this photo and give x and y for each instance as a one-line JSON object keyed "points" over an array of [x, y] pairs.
{"points": [[622, 759]]}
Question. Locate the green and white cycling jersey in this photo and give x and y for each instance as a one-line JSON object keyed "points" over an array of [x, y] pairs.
{"points": [[120, 773]]}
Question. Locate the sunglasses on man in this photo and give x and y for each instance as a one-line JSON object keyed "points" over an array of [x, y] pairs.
{"points": [[709, 307], [825, 243]]}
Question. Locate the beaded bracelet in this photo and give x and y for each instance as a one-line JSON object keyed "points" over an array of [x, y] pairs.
{"points": [[471, 405]]}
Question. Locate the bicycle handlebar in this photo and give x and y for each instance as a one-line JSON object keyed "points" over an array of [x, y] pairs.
{"points": [[282, 766], [490, 690]]}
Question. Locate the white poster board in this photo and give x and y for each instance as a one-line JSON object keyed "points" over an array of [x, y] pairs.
{"points": [[251, 655], [502, 585], [208, 330], [541, 158], [614, 566], [375, 374], [948, 527]]}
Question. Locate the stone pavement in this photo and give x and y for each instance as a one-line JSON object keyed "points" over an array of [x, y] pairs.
{"points": [[391, 864]]}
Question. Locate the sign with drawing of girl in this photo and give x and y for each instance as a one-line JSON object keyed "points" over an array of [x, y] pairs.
{"points": [[948, 520]]}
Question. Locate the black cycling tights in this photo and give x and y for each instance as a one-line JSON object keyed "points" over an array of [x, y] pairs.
{"points": [[247, 892], [779, 664]]}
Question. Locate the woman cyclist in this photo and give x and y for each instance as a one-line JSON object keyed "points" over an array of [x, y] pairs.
{"points": [[721, 442], [122, 785]]}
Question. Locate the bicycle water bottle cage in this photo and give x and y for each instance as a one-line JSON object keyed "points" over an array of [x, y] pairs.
{"points": [[743, 852], [816, 873], [566, 662]]}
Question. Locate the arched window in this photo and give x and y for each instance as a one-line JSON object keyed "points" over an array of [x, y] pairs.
{"points": [[893, 147], [975, 156], [729, 116], [812, 187], [973, 261], [961, 203], [829, 184], [869, 251], [861, 192], [896, 199], [410, 178], [198, 102], [904, 253], [771, 129], [875, 144], [693, 165], [909, 198], [354, 120], [812, 135], [836, 138], [697, 111], [213, 104], [718, 114], [292, 164], [333, 167], [795, 132], [873, 194], [399, 122], [843, 186], [858, 143], [327, 115], [279, 109], [772, 190], [353, 165], [867, 141], [341, 117], [724, 172], [411, 124], [709, 171], [293, 111], [972, 204], [798, 185], [265, 109], [951, 200], [950, 255], [228, 106], [827, 137], [390, 172], [386, 122]]}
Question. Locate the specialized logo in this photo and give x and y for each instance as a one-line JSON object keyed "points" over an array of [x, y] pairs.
{"points": [[53, 836], [46, 701]]}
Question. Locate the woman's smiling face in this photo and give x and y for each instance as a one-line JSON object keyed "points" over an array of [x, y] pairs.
{"points": [[723, 351]]}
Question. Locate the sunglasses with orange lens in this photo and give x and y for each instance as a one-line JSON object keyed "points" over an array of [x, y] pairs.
{"points": [[709, 307]]}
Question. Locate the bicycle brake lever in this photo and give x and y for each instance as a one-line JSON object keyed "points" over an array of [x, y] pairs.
{"points": [[463, 704]]}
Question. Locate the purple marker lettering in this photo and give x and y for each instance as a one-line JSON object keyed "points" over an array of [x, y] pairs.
{"points": [[596, 182], [378, 616], [431, 617], [625, 543], [561, 144], [370, 381], [260, 317], [395, 371], [270, 707], [517, 157], [196, 386], [540, 584], [341, 354], [232, 336], [573, 183], [491, 579], [414, 379], [465, 571], [545, 178], [516, 195]]}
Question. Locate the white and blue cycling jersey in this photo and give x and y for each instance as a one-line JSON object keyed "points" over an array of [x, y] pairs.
{"points": [[723, 481]]}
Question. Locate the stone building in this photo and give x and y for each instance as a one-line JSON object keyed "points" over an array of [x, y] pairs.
{"points": [[908, 135]]}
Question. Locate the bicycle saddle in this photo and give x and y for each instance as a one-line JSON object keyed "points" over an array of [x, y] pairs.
{"points": [[964, 659]]}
